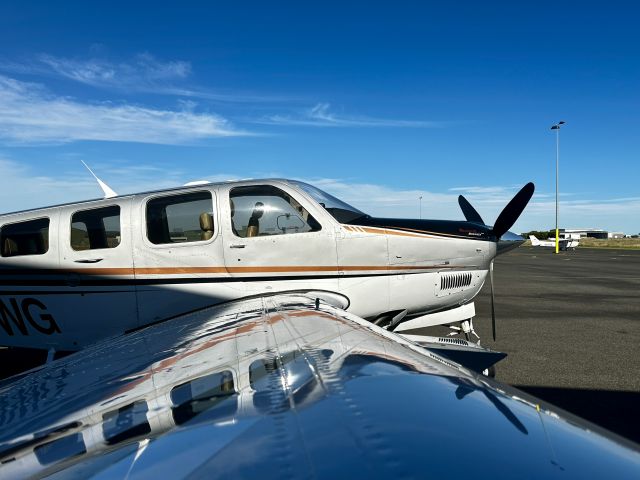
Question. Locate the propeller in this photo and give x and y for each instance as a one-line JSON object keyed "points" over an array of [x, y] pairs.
{"points": [[503, 223], [470, 213], [509, 214], [513, 210]]}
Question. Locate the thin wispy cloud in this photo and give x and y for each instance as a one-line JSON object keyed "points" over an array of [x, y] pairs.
{"points": [[143, 73], [144, 70], [30, 114], [321, 115], [479, 189]]}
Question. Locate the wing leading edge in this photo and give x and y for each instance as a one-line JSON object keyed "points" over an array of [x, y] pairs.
{"points": [[279, 387]]}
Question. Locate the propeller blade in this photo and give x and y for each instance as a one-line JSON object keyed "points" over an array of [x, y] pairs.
{"points": [[470, 213], [512, 211], [493, 311]]}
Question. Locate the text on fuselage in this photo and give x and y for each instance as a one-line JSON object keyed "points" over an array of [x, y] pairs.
{"points": [[20, 314]]}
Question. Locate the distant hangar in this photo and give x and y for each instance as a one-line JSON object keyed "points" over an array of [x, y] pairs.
{"points": [[589, 233]]}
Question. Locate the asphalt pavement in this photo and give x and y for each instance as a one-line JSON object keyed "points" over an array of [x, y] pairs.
{"points": [[570, 324]]}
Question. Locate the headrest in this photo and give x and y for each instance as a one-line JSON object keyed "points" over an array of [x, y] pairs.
{"points": [[206, 222], [233, 207], [258, 210]]}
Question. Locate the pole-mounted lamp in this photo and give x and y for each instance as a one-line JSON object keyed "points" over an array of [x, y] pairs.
{"points": [[556, 127]]}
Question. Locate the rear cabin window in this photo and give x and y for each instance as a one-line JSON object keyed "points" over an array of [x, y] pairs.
{"points": [[60, 449], [263, 210], [126, 422], [208, 393], [180, 218], [25, 238], [97, 228]]}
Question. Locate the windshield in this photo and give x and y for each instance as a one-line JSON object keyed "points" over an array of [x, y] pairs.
{"points": [[341, 211]]}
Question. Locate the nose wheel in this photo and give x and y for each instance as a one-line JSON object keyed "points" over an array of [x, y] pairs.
{"points": [[490, 372]]}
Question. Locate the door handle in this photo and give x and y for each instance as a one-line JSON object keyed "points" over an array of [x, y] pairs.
{"points": [[89, 260], [237, 245]]}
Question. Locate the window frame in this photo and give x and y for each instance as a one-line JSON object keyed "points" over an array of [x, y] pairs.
{"points": [[143, 223], [28, 255], [295, 196], [96, 208]]}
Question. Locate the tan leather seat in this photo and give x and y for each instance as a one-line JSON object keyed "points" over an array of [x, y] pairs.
{"points": [[252, 230], [206, 225], [9, 248]]}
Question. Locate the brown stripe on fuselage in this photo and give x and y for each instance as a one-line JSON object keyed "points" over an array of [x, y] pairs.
{"points": [[108, 272], [178, 270]]}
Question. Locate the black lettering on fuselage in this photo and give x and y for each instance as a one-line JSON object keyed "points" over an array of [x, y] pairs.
{"points": [[16, 316], [43, 321], [44, 316]]}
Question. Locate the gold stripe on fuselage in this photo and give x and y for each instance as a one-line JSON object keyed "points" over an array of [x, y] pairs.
{"points": [[403, 232]]}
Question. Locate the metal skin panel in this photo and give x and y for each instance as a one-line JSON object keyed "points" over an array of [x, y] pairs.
{"points": [[368, 290], [273, 388], [279, 259], [110, 308], [379, 264], [175, 278], [21, 323]]}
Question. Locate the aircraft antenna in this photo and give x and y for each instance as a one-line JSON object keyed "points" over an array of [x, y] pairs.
{"points": [[106, 189]]}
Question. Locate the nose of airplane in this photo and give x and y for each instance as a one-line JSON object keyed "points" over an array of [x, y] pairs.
{"points": [[508, 242]]}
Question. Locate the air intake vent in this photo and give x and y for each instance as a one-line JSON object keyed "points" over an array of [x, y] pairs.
{"points": [[454, 341], [455, 280]]}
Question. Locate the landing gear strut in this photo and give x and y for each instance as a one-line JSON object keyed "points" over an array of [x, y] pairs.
{"points": [[466, 327]]}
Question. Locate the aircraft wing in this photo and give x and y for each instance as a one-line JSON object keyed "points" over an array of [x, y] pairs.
{"points": [[285, 387]]}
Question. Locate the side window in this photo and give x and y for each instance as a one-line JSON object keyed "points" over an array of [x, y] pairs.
{"points": [[266, 210], [60, 449], [180, 218], [126, 422], [97, 228], [204, 394], [25, 238]]}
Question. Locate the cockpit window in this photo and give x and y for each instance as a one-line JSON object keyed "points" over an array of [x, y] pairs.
{"points": [[341, 211], [261, 210]]}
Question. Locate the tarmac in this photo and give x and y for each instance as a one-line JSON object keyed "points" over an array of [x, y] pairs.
{"points": [[570, 324]]}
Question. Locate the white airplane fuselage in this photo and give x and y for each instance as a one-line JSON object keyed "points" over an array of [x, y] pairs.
{"points": [[564, 243], [66, 288]]}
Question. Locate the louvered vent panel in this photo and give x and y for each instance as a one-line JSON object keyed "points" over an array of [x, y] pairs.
{"points": [[455, 280]]}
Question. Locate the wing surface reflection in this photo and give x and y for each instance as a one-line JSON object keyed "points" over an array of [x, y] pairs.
{"points": [[275, 387]]}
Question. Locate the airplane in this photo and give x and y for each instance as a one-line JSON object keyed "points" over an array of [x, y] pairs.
{"points": [[564, 243], [81, 272], [286, 386]]}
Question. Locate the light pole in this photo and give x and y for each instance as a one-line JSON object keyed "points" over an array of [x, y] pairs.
{"points": [[420, 208], [556, 127]]}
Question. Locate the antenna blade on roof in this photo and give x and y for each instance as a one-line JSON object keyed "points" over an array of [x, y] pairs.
{"points": [[106, 189]]}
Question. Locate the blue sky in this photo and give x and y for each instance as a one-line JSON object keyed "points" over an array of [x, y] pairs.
{"points": [[376, 103]]}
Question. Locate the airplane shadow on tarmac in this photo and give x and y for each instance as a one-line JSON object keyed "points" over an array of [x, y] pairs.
{"points": [[614, 410]]}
